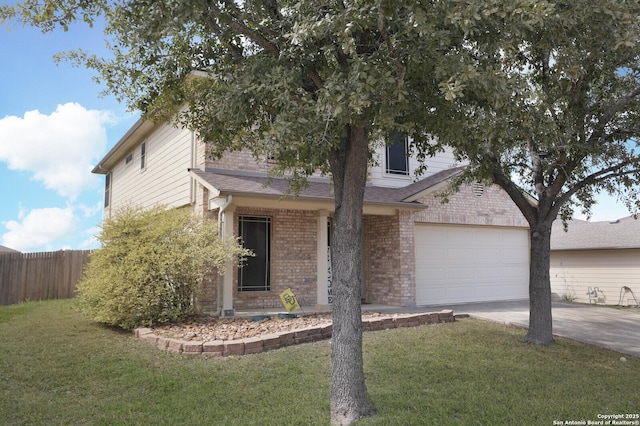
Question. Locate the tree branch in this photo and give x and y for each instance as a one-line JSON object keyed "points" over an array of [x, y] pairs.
{"points": [[599, 176], [607, 116], [514, 192], [385, 36], [243, 29], [536, 166]]}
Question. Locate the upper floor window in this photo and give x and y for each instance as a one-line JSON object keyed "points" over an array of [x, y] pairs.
{"points": [[143, 155], [129, 158], [397, 155], [107, 190]]}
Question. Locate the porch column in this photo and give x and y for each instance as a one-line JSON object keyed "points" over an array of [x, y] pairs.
{"points": [[322, 260], [227, 282]]}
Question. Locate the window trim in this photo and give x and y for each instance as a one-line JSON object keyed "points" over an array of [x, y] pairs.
{"points": [[107, 189], [396, 137], [143, 155], [266, 287]]}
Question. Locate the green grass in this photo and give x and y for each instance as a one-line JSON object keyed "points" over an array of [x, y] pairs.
{"points": [[57, 368]]}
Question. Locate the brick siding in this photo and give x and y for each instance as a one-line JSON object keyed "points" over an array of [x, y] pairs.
{"points": [[388, 250], [493, 208], [293, 258], [241, 161], [389, 259]]}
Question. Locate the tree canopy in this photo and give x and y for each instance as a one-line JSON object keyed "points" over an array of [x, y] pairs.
{"points": [[551, 115], [311, 85], [538, 96]]}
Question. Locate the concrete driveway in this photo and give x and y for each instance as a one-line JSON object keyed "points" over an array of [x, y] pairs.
{"points": [[615, 329]]}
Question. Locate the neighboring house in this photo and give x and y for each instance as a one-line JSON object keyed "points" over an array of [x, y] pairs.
{"points": [[416, 251], [6, 250], [594, 261]]}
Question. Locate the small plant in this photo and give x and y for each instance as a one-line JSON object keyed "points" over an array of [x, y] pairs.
{"points": [[152, 266], [567, 297]]}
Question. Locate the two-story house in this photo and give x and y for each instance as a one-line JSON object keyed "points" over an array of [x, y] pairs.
{"points": [[417, 251]]}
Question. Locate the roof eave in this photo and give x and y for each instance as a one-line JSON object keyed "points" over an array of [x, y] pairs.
{"points": [[134, 135], [216, 192]]}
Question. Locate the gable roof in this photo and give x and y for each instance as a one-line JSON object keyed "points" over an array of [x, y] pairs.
{"points": [[582, 235], [229, 182]]}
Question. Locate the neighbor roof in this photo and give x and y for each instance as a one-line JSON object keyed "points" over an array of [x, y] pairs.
{"points": [[4, 249], [257, 184], [583, 235]]}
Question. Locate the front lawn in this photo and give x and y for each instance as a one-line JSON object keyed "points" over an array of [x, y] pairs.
{"points": [[57, 368]]}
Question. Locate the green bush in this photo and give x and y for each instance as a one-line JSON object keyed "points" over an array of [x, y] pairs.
{"points": [[152, 266]]}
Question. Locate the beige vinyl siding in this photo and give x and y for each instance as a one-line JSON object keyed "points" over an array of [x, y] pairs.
{"points": [[164, 180], [378, 177], [573, 272]]}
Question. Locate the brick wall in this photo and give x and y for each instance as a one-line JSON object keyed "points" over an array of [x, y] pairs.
{"points": [[293, 258], [389, 259], [407, 248], [241, 161], [244, 161], [493, 207], [381, 263]]}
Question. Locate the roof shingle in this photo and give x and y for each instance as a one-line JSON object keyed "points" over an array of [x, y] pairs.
{"points": [[583, 235], [254, 184]]}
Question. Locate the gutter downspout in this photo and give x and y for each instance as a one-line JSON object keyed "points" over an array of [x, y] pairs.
{"points": [[221, 210]]}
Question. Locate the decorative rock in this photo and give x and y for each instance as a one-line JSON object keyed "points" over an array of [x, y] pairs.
{"points": [[196, 337]]}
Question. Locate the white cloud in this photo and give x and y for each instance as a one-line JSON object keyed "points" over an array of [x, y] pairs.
{"points": [[40, 227], [91, 210], [58, 149], [91, 242]]}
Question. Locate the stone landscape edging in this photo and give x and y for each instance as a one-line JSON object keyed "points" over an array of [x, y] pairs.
{"points": [[262, 343]]}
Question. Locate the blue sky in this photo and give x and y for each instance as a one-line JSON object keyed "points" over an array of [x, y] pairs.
{"points": [[54, 127]]}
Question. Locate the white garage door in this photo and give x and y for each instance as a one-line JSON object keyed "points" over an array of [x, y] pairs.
{"points": [[459, 264]]}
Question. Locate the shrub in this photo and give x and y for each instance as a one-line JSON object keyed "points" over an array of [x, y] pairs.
{"points": [[152, 266]]}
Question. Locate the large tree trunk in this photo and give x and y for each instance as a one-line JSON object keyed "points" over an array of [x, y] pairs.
{"points": [[349, 169], [540, 320]]}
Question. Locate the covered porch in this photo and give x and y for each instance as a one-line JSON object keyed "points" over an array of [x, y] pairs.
{"points": [[291, 236]]}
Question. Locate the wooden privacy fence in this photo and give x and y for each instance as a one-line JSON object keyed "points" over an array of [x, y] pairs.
{"points": [[40, 276]]}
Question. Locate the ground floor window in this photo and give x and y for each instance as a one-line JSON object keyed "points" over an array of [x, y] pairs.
{"points": [[255, 233]]}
